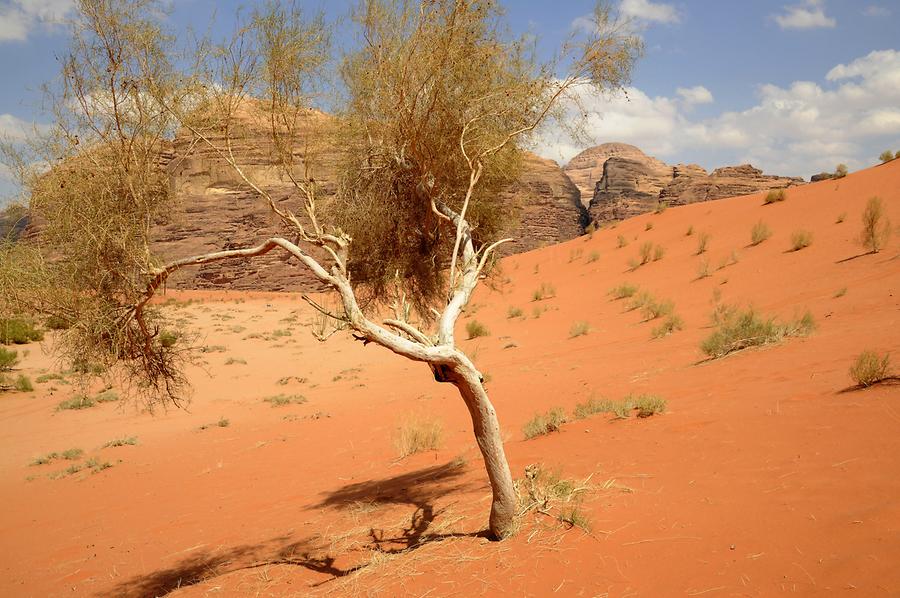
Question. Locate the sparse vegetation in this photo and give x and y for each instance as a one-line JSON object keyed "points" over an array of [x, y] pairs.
{"points": [[738, 329], [886, 156], [514, 312], [840, 171], [690, 231], [8, 359], [579, 329], [545, 291], [418, 434], [871, 368], [658, 252], [79, 401], [71, 454], [646, 404], [703, 269], [545, 423], [760, 233], [124, 441], [876, 229], [107, 396], [774, 195], [168, 338], [800, 239], [23, 383], [18, 331], [840, 292], [655, 308], [475, 329], [621, 241], [593, 257], [841, 217], [623, 291], [541, 490], [646, 252], [648, 226], [672, 323], [282, 399], [235, 361], [702, 243], [661, 206]]}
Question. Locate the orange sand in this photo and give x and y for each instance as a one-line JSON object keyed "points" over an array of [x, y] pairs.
{"points": [[766, 476]]}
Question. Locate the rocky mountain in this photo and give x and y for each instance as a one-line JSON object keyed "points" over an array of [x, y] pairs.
{"points": [[220, 211], [627, 182]]}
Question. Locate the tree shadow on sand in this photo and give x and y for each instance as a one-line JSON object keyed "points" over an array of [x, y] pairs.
{"points": [[420, 489]]}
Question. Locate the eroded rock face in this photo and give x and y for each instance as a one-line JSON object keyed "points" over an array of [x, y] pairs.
{"points": [[637, 183], [642, 173], [220, 211]]}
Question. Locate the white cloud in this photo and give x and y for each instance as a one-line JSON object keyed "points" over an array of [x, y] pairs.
{"points": [[798, 129], [19, 17], [694, 95], [14, 128], [873, 10], [808, 15], [645, 10]]}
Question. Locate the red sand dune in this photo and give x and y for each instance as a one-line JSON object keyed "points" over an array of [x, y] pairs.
{"points": [[766, 476]]}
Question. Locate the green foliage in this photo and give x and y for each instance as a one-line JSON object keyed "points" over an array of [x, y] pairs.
{"points": [[544, 423], [283, 399], [800, 239], [18, 331], [23, 383], [475, 329], [760, 233], [77, 402], [623, 291], [774, 195], [876, 230], [8, 359], [168, 338], [871, 368], [579, 329], [739, 329]]}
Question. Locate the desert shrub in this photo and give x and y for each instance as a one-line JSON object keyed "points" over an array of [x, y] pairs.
{"points": [[841, 218], [672, 323], [8, 359], [579, 329], [840, 292], [658, 252], [646, 252], [840, 171], [76, 402], [545, 291], [23, 383], [633, 264], [647, 404], [876, 229], [575, 254], [107, 396], [870, 368], [690, 231], [167, 338], [886, 156], [72, 454], [591, 407], [702, 243], [774, 195], [82, 366], [544, 423], [661, 206], [48, 377], [648, 226], [703, 269], [760, 233], [623, 290], [235, 361], [593, 257], [639, 301], [514, 312], [418, 434], [124, 441], [18, 331], [474, 329], [621, 241], [57, 323], [800, 239], [655, 308], [283, 399], [738, 329]]}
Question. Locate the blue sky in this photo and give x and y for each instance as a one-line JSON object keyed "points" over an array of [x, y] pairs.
{"points": [[792, 86]]}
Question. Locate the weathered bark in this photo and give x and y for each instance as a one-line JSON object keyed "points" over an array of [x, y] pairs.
{"points": [[486, 428]]}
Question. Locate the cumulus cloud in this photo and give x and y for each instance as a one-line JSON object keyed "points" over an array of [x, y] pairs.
{"points": [[808, 15], [798, 129], [653, 12], [694, 95], [14, 128], [18, 18]]}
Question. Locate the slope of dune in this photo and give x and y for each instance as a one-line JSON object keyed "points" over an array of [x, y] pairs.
{"points": [[768, 474]]}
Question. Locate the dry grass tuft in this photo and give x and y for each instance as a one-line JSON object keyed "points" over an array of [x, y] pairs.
{"points": [[418, 434], [871, 368], [545, 423]]}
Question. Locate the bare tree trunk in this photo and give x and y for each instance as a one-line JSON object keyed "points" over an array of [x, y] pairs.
{"points": [[487, 434]]}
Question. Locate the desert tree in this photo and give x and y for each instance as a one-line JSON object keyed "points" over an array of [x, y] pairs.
{"points": [[876, 226], [437, 102]]}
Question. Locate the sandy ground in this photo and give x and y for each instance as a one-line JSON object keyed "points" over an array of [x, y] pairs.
{"points": [[768, 475]]}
